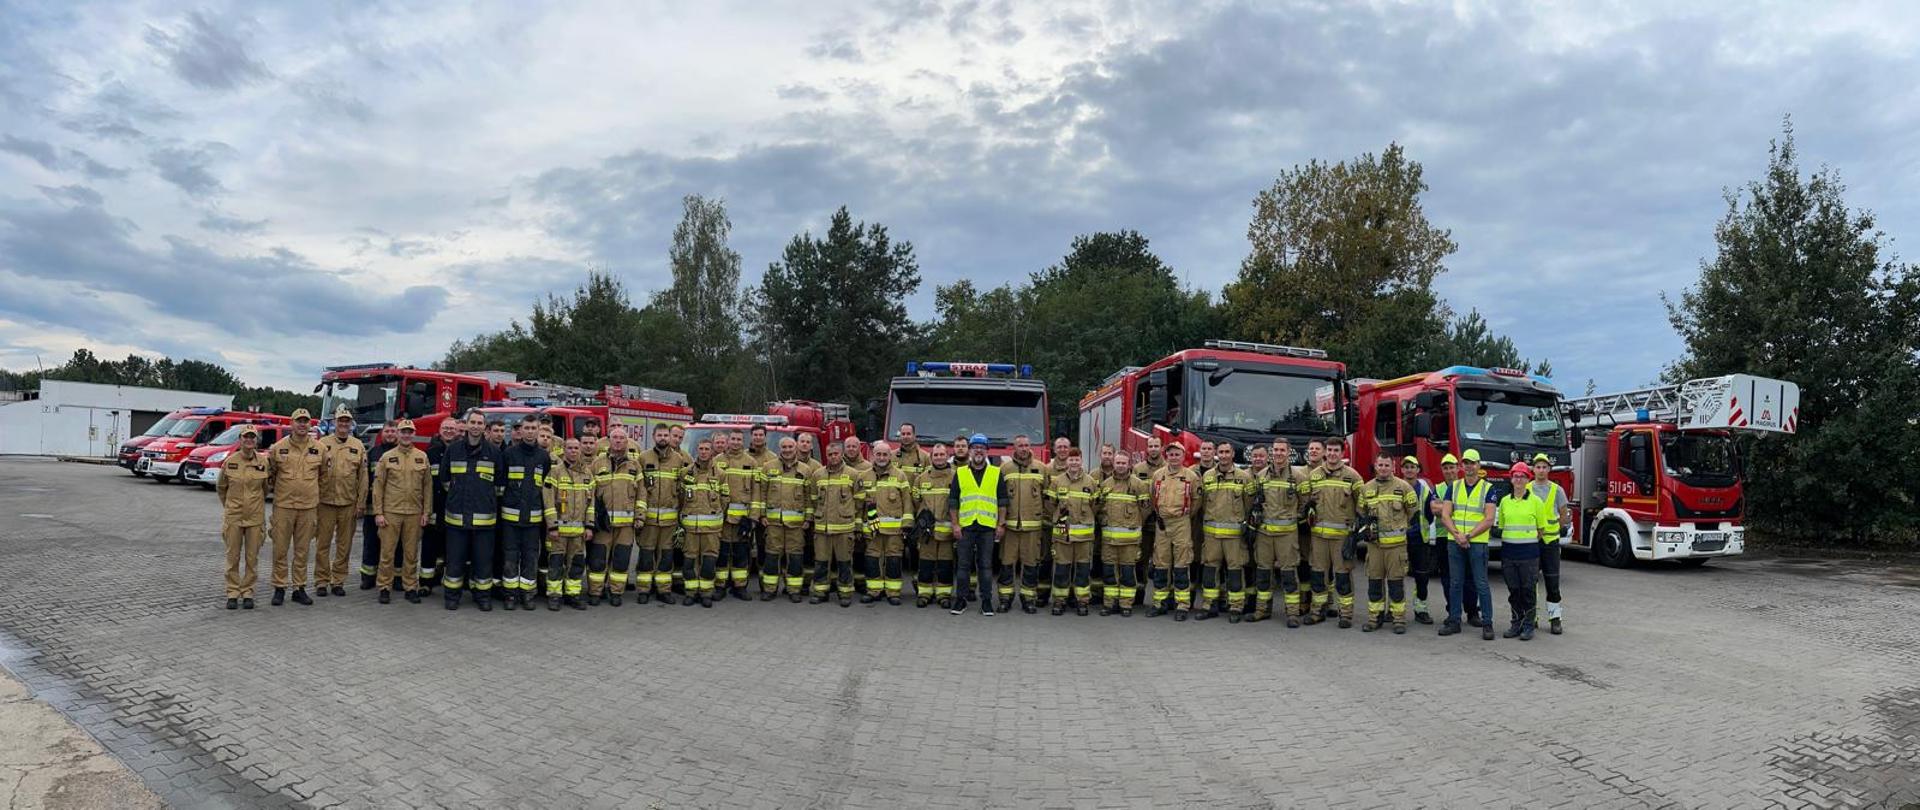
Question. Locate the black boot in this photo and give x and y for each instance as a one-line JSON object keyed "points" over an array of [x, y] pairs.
{"points": [[1234, 616], [483, 601], [1006, 604], [669, 598], [1179, 614], [553, 603], [613, 599], [413, 597], [1213, 610], [706, 600], [386, 596], [1081, 609], [339, 591], [766, 596], [452, 600], [366, 582], [233, 603], [574, 602], [279, 597], [740, 593], [247, 603], [795, 597], [508, 602], [300, 596]]}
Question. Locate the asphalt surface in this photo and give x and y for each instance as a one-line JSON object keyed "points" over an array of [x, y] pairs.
{"points": [[1746, 683]]}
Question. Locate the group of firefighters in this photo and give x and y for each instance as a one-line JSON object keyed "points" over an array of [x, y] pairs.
{"points": [[588, 519]]}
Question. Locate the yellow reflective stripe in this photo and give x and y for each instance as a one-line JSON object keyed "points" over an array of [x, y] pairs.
{"points": [[837, 528], [1222, 528], [457, 467], [1121, 533], [1080, 530], [701, 521], [663, 513], [1280, 526], [888, 523]]}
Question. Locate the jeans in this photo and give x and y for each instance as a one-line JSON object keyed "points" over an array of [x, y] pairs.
{"points": [[1521, 576], [973, 554], [1459, 562]]}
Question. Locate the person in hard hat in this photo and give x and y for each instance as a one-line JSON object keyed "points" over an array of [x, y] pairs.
{"points": [[1522, 517], [242, 488], [978, 515], [1559, 515], [1422, 541], [1465, 509]]}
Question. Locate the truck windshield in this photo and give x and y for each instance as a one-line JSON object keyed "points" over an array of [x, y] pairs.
{"points": [[1265, 402], [774, 435], [161, 427], [369, 398], [186, 427], [1700, 460], [230, 435], [1516, 422], [964, 411]]}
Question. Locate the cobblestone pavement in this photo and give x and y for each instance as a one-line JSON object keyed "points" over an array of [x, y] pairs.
{"points": [[1742, 684]]}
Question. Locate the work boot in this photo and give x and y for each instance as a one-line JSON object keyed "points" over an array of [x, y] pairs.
{"points": [[641, 598], [574, 603], [1155, 610], [893, 600], [1526, 632], [279, 596], [484, 603], [1213, 609], [1059, 607], [1399, 628], [1312, 618], [1006, 604], [867, 598], [233, 603], [507, 602], [1449, 628], [818, 599], [846, 600], [1553, 626], [1179, 614], [1260, 614], [1512, 631], [740, 593], [413, 597], [1293, 622], [452, 600], [669, 598], [1346, 622], [247, 603], [426, 588], [706, 600], [1473, 620], [1486, 633], [320, 590], [1126, 613], [1081, 609], [300, 596], [767, 596], [795, 597], [1234, 616], [1028, 607], [553, 603], [921, 600], [386, 596], [1373, 623], [339, 591], [1423, 618], [593, 598], [366, 582], [1107, 610]]}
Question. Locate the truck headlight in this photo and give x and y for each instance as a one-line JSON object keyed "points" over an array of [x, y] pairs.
{"points": [[216, 458]]}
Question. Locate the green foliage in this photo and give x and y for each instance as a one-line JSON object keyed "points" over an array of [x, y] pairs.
{"points": [[1802, 288], [168, 373], [831, 316]]}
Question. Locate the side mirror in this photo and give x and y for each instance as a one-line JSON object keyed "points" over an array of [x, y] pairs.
{"points": [[1422, 425], [1578, 438], [316, 389], [1157, 397], [1353, 418], [1426, 400]]}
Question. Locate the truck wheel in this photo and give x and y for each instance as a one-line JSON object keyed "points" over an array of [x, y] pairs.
{"points": [[139, 474], [1611, 547]]}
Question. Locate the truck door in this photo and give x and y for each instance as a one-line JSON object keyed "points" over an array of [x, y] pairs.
{"points": [[1633, 467]]}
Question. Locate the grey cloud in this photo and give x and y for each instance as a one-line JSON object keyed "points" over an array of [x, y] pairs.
{"points": [[101, 125], [206, 55], [333, 100], [39, 152], [188, 168], [215, 221], [838, 47], [94, 169], [280, 293], [800, 91], [72, 195]]}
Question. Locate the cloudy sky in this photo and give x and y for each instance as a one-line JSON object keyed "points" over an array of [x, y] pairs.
{"points": [[279, 187]]}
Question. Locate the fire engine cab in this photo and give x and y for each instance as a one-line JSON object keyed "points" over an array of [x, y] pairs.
{"points": [[943, 400], [1657, 472], [378, 393], [827, 422], [1227, 390]]}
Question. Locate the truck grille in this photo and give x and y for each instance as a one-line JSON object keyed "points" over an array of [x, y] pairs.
{"points": [[1710, 541]]}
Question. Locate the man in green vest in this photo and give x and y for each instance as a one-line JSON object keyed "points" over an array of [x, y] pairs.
{"points": [[1466, 513], [979, 517], [1559, 514], [1523, 522]]}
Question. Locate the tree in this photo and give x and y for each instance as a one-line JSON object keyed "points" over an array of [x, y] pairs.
{"points": [[592, 338], [1472, 342], [1343, 258], [831, 314], [509, 349], [179, 375], [1802, 288], [694, 326]]}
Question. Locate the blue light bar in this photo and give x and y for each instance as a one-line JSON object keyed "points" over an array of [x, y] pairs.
{"points": [[980, 369], [1641, 415]]}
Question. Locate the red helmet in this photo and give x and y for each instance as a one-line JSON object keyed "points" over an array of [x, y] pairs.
{"points": [[1521, 468]]}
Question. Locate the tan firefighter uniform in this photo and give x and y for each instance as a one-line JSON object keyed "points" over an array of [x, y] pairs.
{"points": [[1027, 510], [1391, 504], [889, 513], [788, 508], [616, 479], [1124, 501], [402, 492], [242, 488], [296, 462], [1226, 498], [342, 478], [570, 515], [932, 490], [1276, 541], [1176, 494], [703, 508], [660, 482], [1335, 504], [912, 460], [746, 480], [834, 492], [1076, 497]]}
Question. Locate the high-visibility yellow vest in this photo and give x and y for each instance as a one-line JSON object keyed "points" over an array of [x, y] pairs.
{"points": [[1519, 517], [1469, 506], [1552, 497], [979, 497]]}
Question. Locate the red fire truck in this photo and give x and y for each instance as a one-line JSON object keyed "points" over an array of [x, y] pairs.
{"points": [[1506, 414], [827, 422], [943, 400], [129, 452], [1656, 471], [1227, 390], [377, 393], [637, 407], [164, 457]]}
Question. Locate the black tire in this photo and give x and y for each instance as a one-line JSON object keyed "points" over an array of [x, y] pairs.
{"points": [[139, 474], [1695, 562], [1611, 547]]}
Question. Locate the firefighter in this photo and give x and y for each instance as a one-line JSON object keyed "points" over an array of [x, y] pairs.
{"points": [[570, 508], [745, 480], [1465, 509], [341, 504], [1056, 467], [1332, 492], [1076, 497], [911, 458], [1124, 500], [1106, 463], [547, 440], [471, 471], [851, 455], [703, 507], [1559, 514], [1176, 496], [808, 450], [676, 439], [1027, 510], [1276, 548], [620, 495], [242, 488], [1226, 498], [660, 468], [978, 513], [402, 506], [386, 440], [1316, 455], [1150, 466], [1390, 506], [1422, 546], [523, 508], [836, 500], [889, 512], [788, 510], [433, 545], [934, 578], [497, 436], [592, 444], [296, 463], [1522, 516]]}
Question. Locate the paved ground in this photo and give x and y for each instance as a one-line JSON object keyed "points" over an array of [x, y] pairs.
{"points": [[46, 762], [1746, 684]]}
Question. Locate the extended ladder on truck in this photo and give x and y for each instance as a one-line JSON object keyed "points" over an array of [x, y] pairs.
{"points": [[1731, 402]]}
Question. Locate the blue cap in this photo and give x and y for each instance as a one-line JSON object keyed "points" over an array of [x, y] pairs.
{"points": [[979, 439]]}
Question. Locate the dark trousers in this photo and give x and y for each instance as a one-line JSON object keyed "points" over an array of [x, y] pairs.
{"points": [[433, 550], [973, 554], [370, 550], [1420, 563], [1550, 570], [470, 561], [520, 555], [1521, 576]]}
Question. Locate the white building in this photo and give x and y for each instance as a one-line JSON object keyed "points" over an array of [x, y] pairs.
{"points": [[87, 419]]}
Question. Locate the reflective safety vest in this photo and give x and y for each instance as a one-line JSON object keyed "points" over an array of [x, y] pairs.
{"points": [[1552, 497], [1469, 506], [979, 497], [1521, 518]]}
